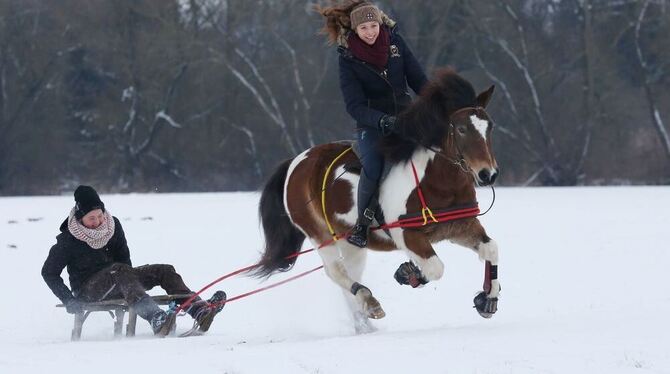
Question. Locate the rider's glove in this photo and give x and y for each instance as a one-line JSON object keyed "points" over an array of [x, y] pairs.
{"points": [[387, 124]]}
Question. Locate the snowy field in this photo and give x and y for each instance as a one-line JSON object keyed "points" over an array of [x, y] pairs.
{"points": [[582, 275]]}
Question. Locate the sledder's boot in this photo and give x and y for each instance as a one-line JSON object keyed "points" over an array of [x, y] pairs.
{"points": [[205, 315], [162, 323], [218, 300]]}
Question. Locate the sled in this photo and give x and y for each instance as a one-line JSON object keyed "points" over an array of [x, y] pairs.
{"points": [[117, 309]]}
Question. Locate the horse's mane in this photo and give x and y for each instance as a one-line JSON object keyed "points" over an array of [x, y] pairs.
{"points": [[426, 121]]}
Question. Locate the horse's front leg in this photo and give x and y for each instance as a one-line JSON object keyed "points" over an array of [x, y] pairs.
{"points": [[421, 252], [471, 234]]}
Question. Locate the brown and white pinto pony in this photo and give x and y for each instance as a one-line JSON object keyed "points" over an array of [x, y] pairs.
{"points": [[446, 133]]}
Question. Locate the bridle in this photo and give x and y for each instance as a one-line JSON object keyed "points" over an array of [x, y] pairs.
{"points": [[451, 139], [460, 159]]}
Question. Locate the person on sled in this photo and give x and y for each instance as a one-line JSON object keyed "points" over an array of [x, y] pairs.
{"points": [[92, 245], [375, 68]]}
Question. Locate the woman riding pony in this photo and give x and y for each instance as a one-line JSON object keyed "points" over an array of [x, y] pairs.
{"points": [[376, 66]]}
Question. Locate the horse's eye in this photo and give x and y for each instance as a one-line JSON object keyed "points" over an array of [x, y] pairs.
{"points": [[461, 130]]}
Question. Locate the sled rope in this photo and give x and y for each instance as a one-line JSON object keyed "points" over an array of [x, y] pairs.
{"points": [[275, 284], [189, 301]]}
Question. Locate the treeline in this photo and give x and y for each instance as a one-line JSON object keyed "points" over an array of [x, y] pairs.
{"points": [[209, 95]]}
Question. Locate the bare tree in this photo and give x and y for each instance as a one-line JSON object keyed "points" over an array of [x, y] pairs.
{"points": [[650, 75], [195, 95], [29, 64]]}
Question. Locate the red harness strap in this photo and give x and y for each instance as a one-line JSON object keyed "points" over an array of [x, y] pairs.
{"points": [[445, 215], [424, 207], [440, 217]]}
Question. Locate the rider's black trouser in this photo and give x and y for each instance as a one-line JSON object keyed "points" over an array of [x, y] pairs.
{"points": [[373, 166]]}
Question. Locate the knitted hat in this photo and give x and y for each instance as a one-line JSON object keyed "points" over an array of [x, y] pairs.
{"points": [[365, 13], [86, 200]]}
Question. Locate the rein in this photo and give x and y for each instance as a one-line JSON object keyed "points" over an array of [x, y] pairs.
{"points": [[460, 162]]}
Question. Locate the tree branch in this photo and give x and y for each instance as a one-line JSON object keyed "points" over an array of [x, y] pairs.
{"points": [[644, 65], [161, 114]]}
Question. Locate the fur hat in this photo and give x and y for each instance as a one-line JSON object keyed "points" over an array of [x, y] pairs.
{"points": [[365, 13], [86, 199]]}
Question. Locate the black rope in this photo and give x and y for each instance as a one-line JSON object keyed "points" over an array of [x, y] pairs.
{"points": [[492, 201]]}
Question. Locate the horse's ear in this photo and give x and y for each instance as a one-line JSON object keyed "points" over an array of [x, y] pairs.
{"points": [[484, 97]]}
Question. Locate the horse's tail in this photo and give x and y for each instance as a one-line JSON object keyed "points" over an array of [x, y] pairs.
{"points": [[282, 238]]}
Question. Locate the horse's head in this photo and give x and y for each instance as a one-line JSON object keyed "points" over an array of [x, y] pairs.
{"points": [[449, 118], [470, 134]]}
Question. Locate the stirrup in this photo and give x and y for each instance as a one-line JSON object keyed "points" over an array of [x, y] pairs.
{"points": [[369, 214]]}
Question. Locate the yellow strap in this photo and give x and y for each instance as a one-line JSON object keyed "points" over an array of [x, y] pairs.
{"points": [[323, 193], [425, 217]]}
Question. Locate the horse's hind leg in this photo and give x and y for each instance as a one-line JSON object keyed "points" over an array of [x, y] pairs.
{"points": [[336, 269], [354, 259]]}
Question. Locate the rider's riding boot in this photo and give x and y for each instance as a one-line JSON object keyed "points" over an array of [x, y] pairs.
{"points": [[366, 211], [359, 233]]}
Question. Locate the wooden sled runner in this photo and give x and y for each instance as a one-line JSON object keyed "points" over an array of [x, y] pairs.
{"points": [[117, 309]]}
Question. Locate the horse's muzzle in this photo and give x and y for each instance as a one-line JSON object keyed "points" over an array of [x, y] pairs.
{"points": [[487, 177]]}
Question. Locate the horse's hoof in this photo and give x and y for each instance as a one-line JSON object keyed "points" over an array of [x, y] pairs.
{"points": [[376, 313], [410, 274], [374, 310], [486, 307]]}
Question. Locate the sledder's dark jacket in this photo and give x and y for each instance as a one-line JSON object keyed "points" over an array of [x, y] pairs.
{"points": [[370, 93], [81, 260]]}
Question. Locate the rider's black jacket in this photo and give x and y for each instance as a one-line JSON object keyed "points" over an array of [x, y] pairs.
{"points": [[370, 93]]}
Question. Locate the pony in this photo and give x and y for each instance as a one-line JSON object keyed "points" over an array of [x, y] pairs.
{"points": [[442, 148]]}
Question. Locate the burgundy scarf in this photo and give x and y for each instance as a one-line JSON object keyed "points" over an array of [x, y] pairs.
{"points": [[376, 54]]}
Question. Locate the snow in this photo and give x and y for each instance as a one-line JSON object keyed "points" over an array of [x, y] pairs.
{"points": [[581, 271]]}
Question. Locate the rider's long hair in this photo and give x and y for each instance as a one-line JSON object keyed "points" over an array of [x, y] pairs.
{"points": [[337, 17]]}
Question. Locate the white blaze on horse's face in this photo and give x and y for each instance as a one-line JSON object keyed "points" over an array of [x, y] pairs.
{"points": [[480, 124], [473, 130]]}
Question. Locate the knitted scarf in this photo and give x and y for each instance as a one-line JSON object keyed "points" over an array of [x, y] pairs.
{"points": [[96, 238], [376, 54]]}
